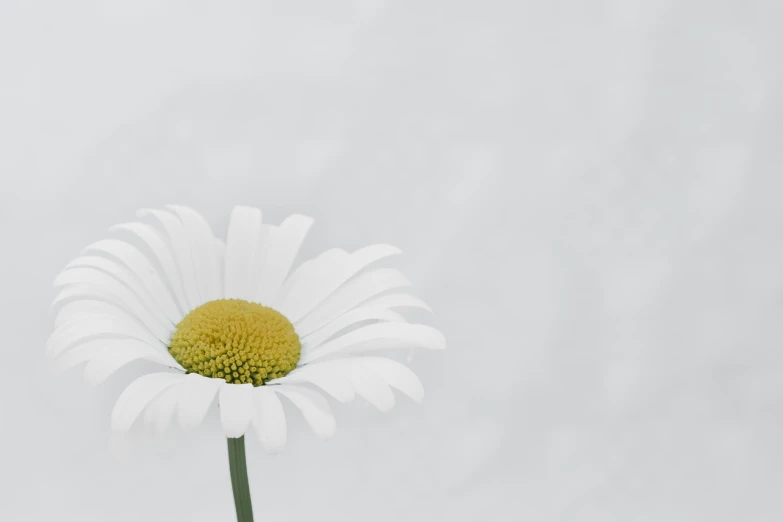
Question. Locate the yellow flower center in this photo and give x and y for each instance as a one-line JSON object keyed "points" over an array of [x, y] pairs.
{"points": [[236, 340]]}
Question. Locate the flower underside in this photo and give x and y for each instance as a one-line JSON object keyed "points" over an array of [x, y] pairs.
{"points": [[236, 340]]}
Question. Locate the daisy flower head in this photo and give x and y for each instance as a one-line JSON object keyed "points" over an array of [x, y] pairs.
{"points": [[235, 323]]}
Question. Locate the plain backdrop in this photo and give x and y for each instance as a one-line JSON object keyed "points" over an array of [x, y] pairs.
{"points": [[587, 194]]}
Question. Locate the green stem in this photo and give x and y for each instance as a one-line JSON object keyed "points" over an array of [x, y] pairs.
{"points": [[238, 466]]}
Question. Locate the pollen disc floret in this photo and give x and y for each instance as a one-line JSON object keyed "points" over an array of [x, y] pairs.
{"points": [[236, 340]]}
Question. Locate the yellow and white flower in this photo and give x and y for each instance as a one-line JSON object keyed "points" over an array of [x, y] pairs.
{"points": [[232, 321]]}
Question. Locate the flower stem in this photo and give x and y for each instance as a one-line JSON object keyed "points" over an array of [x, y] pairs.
{"points": [[239, 483]]}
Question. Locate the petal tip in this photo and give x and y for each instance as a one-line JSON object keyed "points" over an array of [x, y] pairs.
{"points": [[438, 340], [393, 250]]}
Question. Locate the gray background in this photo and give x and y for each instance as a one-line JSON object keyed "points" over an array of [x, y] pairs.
{"points": [[586, 193]]}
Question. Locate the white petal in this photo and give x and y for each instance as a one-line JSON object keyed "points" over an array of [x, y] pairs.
{"points": [[397, 301], [353, 293], [108, 361], [138, 395], [150, 236], [220, 253], [370, 386], [103, 287], [396, 375], [143, 270], [102, 348], [236, 408], [269, 419], [379, 336], [88, 350], [196, 397], [355, 316], [80, 330], [333, 377], [258, 262], [202, 250], [377, 308], [329, 278], [115, 269], [242, 245], [79, 309], [136, 296], [313, 406], [284, 244], [83, 353], [305, 273], [180, 245], [163, 408]]}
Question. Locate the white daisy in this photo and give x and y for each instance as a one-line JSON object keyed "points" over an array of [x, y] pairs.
{"points": [[231, 321], [228, 321]]}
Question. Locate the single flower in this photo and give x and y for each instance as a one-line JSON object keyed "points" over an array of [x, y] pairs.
{"points": [[232, 321]]}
